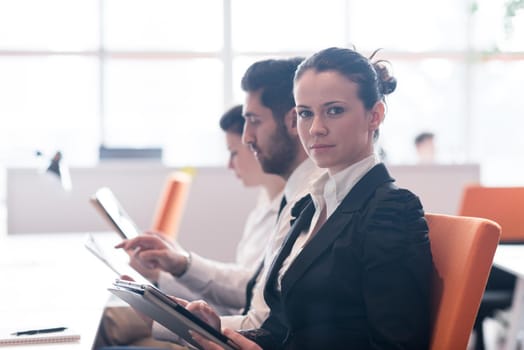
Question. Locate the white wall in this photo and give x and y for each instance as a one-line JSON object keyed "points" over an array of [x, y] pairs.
{"points": [[217, 205], [439, 186], [215, 214], [212, 224]]}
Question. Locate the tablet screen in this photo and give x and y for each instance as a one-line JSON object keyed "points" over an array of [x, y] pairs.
{"points": [[106, 202]]}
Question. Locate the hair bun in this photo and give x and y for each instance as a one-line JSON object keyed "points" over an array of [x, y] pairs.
{"points": [[387, 83]]}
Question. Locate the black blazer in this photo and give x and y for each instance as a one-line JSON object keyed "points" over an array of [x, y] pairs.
{"points": [[362, 282]]}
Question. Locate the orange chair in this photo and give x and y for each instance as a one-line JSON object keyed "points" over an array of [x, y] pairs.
{"points": [[171, 205], [502, 205], [463, 250]]}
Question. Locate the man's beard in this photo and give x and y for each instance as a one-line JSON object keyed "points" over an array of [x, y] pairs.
{"points": [[281, 154]]}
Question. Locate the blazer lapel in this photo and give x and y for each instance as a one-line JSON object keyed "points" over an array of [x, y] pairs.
{"points": [[335, 224], [301, 223]]}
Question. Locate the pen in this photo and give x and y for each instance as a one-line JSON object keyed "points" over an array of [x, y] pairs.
{"points": [[39, 331]]}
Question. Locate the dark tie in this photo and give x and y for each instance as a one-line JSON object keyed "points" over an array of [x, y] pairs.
{"points": [[253, 280], [302, 213], [283, 203]]}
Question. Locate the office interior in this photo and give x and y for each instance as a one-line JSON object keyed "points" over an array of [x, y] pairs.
{"points": [[129, 91]]}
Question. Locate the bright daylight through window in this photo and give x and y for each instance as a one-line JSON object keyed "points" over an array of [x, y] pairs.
{"points": [[137, 73]]}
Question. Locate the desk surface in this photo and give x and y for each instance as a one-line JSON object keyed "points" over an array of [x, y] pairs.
{"points": [[51, 280], [510, 257]]}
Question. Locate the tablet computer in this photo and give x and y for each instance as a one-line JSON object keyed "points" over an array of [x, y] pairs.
{"points": [[106, 203], [116, 259], [152, 302], [96, 249]]}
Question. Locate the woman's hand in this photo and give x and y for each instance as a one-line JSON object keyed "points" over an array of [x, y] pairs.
{"points": [[201, 309], [240, 341]]}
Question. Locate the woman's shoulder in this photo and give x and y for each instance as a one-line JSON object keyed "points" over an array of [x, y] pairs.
{"points": [[391, 196], [395, 208], [392, 222]]}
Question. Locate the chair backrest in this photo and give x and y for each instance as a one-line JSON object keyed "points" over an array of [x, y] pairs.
{"points": [[171, 204], [504, 205], [462, 250]]}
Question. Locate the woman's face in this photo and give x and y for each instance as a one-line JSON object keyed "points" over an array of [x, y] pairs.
{"points": [[242, 161], [334, 127]]}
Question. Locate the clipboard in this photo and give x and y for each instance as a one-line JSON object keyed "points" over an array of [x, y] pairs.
{"points": [[108, 205], [152, 302]]}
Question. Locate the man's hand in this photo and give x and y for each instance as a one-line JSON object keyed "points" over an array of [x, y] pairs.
{"points": [[151, 274], [153, 252]]}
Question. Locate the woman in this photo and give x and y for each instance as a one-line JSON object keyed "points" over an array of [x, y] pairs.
{"points": [[355, 270]]}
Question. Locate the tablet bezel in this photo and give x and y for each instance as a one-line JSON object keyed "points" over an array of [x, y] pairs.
{"points": [[102, 200], [181, 318]]}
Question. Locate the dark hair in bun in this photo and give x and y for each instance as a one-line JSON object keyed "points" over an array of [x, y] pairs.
{"points": [[373, 79], [387, 83]]}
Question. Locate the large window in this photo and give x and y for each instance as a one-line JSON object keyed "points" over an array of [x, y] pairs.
{"points": [[158, 73]]}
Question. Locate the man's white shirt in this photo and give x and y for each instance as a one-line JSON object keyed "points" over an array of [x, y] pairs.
{"points": [[223, 285], [297, 186]]}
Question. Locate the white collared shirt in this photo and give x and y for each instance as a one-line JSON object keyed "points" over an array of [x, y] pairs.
{"points": [[297, 186], [259, 224], [223, 284], [328, 191]]}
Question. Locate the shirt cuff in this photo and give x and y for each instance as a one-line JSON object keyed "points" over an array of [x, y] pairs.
{"points": [[198, 274], [232, 322]]}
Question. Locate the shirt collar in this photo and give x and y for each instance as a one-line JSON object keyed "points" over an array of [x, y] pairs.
{"points": [[272, 205], [275, 202], [300, 180], [333, 188], [343, 181]]}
